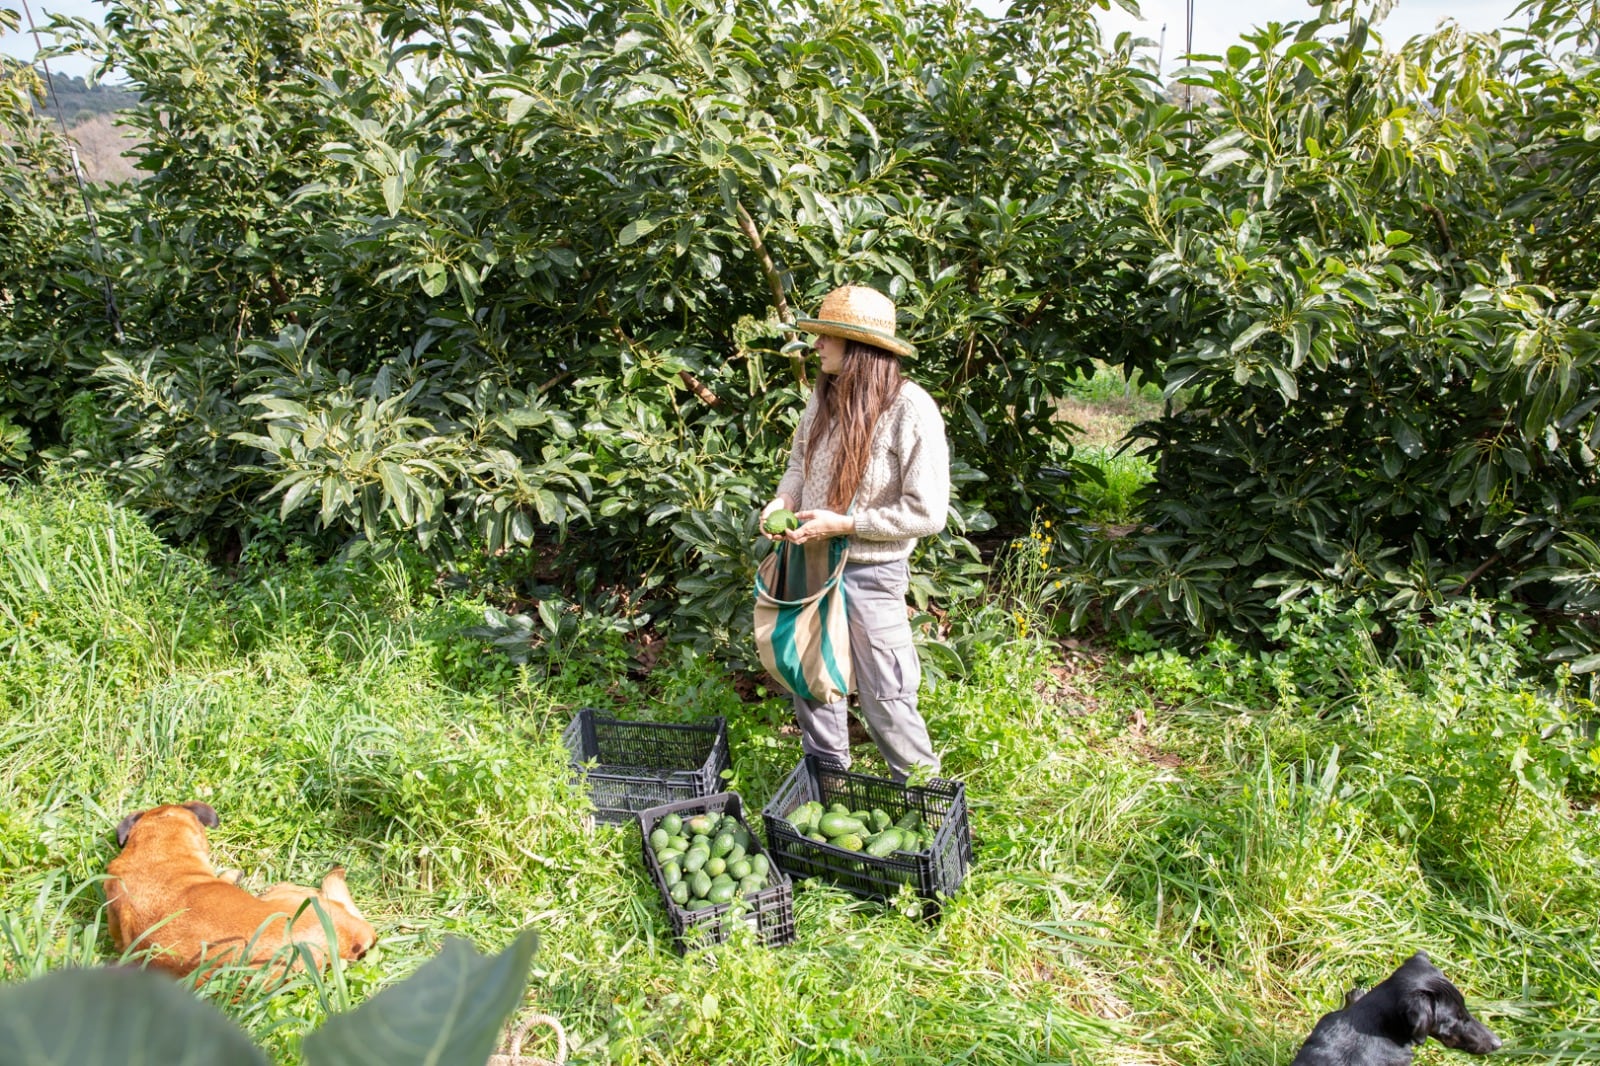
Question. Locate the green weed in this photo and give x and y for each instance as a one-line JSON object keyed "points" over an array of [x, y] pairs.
{"points": [[1179, 859], [1107, 386], [1110, 499]]}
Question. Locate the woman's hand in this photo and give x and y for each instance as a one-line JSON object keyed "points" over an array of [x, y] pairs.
{"points": [[815, 524], [778, 504]]}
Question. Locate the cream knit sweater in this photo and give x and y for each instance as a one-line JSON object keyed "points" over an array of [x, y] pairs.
{"points": [[905, 492]]}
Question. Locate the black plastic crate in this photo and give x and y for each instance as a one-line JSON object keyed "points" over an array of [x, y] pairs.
{"points": [[933, 873], [770, 911], [636, 765]]}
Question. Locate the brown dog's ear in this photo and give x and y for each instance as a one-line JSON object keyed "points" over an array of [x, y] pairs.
{"points": [[203, 811], [335, 890], [125, 827]]}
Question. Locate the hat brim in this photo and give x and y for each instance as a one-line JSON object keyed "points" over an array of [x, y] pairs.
{"points": [[888, 342]]}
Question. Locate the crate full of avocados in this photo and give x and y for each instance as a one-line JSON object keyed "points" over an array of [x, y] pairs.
{"points": [[712, 872], [628, 766], [870, 835]]}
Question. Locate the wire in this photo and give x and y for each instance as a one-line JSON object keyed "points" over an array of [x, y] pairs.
{"points": [[112, 315]]}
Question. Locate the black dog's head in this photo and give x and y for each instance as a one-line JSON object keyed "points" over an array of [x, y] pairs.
{"points": [[1427, 1004], [1380, 1026]]}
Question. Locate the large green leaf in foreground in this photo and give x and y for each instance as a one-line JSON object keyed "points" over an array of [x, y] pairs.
{"points": [[449, 1011], [126, 1017]]}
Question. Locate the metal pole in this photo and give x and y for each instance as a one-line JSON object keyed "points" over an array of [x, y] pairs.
{"points": [[1188, 50]]}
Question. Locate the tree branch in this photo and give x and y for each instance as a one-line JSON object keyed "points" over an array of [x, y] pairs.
{"points": [[1495, 558], [698, 387], [774, 281], [690, 382], [1441, 224]]}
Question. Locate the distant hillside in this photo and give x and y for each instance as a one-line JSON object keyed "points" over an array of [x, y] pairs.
{"points": [[80, 101], [89, 114], [101, 149]]}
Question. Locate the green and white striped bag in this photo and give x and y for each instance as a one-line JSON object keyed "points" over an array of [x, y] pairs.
{"points": [[801, 629]]}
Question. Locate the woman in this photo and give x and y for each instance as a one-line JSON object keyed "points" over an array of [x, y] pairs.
{"points": [[869, 462]]}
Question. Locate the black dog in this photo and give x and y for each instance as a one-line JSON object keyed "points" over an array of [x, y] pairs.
{"points": [[1379, 1028]]}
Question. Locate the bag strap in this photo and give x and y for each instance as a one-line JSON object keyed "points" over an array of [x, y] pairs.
{"points": [[844, 539]]}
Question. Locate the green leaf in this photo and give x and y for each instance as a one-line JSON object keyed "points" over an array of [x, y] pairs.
{"points": [[1287, 386], [1302, 341], [635, 230], [394, 193], [435, 278], [1246, 338], [976, 421], [1226, 140], [1271, 185], [296, 495], [106, 1017], [1223, 159], [449, 1011], [393, 479], [518, 108], [1407, 437], [519, 527]]}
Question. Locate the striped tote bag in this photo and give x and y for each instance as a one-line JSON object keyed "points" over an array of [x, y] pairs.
{"points": [[801, 630]]}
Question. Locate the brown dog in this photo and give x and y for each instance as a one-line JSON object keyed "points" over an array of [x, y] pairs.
{"points": [[162, 893]]}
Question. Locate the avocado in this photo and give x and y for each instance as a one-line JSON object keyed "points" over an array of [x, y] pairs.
{"points": [[886, 841], [780, 521], [834, 825]]}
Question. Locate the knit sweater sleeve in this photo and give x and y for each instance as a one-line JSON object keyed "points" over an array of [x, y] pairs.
{"points": [[922, 505]]}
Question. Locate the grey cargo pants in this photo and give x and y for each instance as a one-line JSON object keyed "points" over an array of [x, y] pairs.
{"points": [[887, 676]]}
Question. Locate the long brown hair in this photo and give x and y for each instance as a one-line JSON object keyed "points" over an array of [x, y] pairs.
{"points": [[867, 384]]}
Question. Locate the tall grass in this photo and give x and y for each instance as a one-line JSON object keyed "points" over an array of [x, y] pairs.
{"points": [[1110, 498], [1107, 386], [1103, 406], [1179, 860]]}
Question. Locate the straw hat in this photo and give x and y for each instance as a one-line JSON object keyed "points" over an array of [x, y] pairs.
{"points": [[858, 313]]}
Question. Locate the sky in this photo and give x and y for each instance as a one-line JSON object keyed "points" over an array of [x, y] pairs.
{"points": [[1217, 23]]}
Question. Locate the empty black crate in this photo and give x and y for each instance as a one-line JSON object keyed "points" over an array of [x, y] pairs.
{"points": [[932, 873], [770, 911], [645, 764]]}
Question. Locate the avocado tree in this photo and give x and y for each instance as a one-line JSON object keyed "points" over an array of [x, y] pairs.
{"points": [[46, 272], [1358, 274], [481, 272], [490, 270]]}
